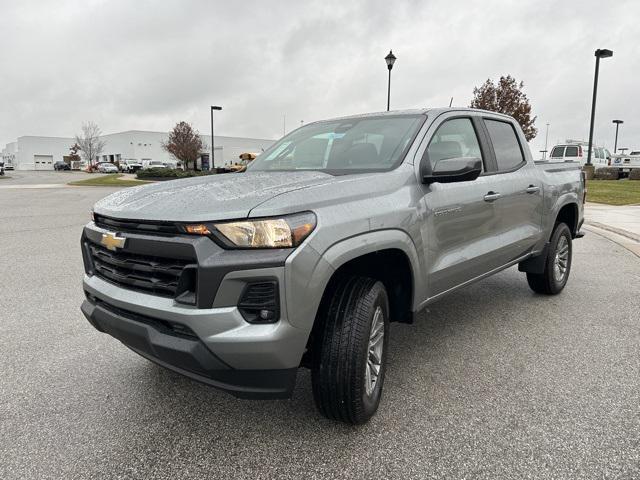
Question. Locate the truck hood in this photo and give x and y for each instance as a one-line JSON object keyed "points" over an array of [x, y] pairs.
{"points": [[210, 197]]}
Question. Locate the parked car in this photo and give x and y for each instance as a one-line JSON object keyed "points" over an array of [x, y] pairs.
{"points": [[106, 167], [154, 164], [577, 152], [171, 164], [60, 165], [129, 166], [338, 229], [626, 163], [8, 166]]}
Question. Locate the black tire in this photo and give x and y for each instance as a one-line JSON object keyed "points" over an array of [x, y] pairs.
{"points": [[341, 351], [547, 282]]}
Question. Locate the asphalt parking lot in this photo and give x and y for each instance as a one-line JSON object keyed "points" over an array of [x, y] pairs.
{"points": [[491, 382]]}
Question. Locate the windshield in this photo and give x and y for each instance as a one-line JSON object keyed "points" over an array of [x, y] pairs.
{"points": [[343, 146]]}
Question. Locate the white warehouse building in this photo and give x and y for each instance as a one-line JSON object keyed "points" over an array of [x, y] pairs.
{"points": [[40, 153]]}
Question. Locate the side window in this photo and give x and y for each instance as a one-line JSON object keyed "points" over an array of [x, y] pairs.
{"points": [[505, 144], [571, 152], [557, 152], [454, 138]]}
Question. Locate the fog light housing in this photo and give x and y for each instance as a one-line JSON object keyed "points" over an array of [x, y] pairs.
{"points": [[259, 302]]}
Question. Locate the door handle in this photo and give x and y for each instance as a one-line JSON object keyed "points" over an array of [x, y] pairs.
{"points": [[532, 189], [492, 197]]}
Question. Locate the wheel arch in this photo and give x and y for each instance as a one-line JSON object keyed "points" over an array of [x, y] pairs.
{"points": [[376, 246], [386, 255], [568, 213]]}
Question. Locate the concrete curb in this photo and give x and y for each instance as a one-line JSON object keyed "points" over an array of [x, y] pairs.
{"points": [[626, 241], [618, 231]]}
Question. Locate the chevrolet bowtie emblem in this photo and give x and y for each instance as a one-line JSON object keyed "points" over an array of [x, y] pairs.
{"points": [[112, 241]]}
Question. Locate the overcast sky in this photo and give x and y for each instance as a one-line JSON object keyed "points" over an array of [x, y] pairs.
{"points": [[147, 65]]}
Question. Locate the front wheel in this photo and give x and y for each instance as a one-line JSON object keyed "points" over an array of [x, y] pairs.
{"points": [[557, 265], [350, 352]]}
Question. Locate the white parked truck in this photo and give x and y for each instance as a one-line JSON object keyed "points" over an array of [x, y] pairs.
{"points": [[626, 163], [577, 151]]}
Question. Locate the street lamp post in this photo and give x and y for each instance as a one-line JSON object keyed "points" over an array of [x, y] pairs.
{"points": [[213, 154], [600, 53], [546, 140], [615, 145], [390, 59]]}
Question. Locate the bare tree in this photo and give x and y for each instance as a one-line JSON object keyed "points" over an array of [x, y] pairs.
{"points": [[89, 142], [185, 144], [506, 97]]}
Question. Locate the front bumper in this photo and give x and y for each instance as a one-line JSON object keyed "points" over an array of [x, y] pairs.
{"points": [[186, 354], [209, 341]]}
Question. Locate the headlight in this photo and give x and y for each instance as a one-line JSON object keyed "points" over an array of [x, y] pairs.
{"points": [[279, 232]]}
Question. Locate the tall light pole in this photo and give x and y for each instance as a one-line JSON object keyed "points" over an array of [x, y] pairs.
{"points": [[615, 145], [213, 148], [390, 59], [600, 53], [546, 140]]}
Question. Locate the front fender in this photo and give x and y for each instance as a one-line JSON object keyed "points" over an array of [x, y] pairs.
{"points": [[305, 287]]}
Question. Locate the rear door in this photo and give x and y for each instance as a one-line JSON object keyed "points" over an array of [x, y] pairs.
{"points": [[571, 153], [516, 181]]}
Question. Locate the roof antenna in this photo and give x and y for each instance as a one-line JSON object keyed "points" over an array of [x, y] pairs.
{"points": [[451, 101]]}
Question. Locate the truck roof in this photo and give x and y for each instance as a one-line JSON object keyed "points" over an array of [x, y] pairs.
{"points": [[415, 111]]}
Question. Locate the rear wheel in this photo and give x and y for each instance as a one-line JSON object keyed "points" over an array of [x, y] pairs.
{"points": [[350, 352], [557, 264]]}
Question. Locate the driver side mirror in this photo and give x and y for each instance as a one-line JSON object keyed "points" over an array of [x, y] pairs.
{"points": [[449, 170]]}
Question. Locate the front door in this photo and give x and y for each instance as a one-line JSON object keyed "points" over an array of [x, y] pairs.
{"points": [[458, 223]]}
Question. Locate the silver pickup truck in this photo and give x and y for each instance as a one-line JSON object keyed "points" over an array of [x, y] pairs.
{"points": [[338, 229]]}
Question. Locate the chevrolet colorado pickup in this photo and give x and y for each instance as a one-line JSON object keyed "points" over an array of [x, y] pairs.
{"points": [[338, 229]]}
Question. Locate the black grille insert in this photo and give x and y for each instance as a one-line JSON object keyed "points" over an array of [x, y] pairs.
{"points": [[149, 274]]}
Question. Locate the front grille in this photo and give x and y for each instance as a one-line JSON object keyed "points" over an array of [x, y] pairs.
{"points": [[149, 274], [137, 226]]}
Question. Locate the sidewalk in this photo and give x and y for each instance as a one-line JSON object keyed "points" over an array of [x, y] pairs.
{"points": [[620, 224]]}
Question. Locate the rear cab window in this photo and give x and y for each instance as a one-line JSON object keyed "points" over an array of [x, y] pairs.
{"points": [[557, 152], [507, 148], [571, 151]]}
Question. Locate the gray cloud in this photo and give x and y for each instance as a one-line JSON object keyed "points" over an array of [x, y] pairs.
{"points": [[147, 65]]}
